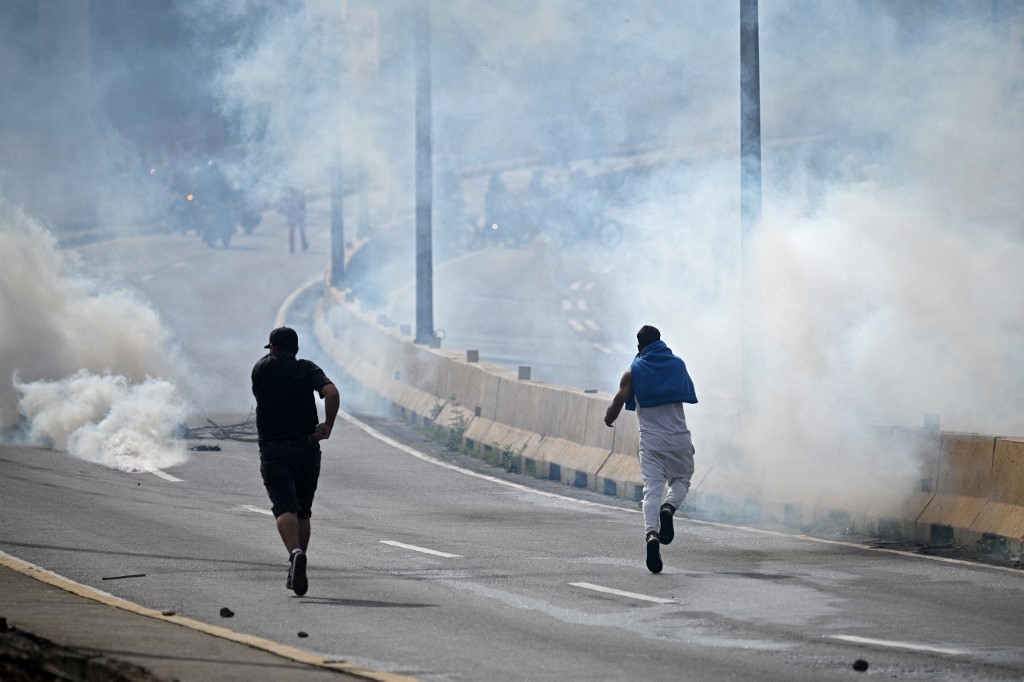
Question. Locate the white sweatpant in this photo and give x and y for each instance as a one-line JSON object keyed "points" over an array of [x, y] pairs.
{"points": [[659, 469]]}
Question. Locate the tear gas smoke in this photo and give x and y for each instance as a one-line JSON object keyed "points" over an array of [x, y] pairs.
{"points": [[81, 363], [106, 420], [886, 276]]}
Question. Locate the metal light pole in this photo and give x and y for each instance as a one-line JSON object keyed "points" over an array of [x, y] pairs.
{"points": [[424, 180], [750, 185]]}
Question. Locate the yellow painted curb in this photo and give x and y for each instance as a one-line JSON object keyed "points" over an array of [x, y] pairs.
{"points": [[276, 648]]}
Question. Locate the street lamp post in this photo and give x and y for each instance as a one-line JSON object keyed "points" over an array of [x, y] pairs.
{"points": [[750, 187], [424, 181]]}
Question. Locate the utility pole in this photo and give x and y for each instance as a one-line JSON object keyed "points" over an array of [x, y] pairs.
{"points": [[750, 186], [424, 180], [337, 193]]}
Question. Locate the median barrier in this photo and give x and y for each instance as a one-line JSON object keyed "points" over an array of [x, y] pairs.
{"points": [[962, 488], [1003, 513], [899, 515]]}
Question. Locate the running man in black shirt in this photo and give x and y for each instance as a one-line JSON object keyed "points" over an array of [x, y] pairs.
{"points": [[289, 440]]}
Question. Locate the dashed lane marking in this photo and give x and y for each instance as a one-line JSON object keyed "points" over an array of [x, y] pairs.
{"points": [[623, 593], [283, 650], [424, 550], [899, 645], [258, 510], [164, 475]]}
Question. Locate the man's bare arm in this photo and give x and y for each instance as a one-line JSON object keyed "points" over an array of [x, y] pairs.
{"points": [[332, 401], [625, 390]]}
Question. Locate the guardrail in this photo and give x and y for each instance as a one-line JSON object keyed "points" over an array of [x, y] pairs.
{"points": [[972, 486]]}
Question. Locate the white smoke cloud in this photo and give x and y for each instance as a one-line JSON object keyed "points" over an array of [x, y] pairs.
{"points": [[107, 420], [885, 271], [89, 367]]}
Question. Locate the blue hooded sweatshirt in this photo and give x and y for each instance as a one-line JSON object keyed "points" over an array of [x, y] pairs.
{"points": [[659, 377]]}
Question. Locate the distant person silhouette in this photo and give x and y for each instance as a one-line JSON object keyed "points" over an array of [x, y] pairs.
{"points": [[293, 206]]}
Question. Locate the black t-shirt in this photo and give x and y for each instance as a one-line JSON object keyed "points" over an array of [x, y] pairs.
{"points": [[285, 404]]}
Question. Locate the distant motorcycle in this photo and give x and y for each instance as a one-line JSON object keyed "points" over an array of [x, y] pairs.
{"points": [[205, 201]]}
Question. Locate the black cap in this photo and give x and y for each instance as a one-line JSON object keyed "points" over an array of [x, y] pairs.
{"points": [[284, 338]]}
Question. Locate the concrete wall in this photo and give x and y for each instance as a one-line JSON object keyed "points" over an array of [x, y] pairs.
{"points": [[972, 486]]}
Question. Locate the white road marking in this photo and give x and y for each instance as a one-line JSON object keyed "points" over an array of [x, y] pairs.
{"points": [[566, 304], [589, 286], [622, 593], [145, 278], [593, 326], [258, 510], [164, 475], [582, 305], [414, 548], [574, 286], [180, 264], [467, 472], [282, 312], [575, 324], [898, 645]]}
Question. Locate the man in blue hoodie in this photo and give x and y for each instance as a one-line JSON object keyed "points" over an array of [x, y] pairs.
{"points": [[656, 385]]}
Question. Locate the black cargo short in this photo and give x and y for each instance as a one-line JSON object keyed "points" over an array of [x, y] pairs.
{"points": [[290, 470]]}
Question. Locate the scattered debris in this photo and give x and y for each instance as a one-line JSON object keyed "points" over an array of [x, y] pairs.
{"points": [[122, 577], [303, 634], [206, 448], [225, 612], [860, 665], [243, 431]]}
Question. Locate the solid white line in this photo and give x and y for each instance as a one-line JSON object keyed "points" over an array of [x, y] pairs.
{"points": [[282, 312], [414, 548], [621, 593], [898, 645], [508, 484], [249, 507]]}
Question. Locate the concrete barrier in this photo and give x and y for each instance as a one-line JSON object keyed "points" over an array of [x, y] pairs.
{"points": [[963, 485], [1003, 513]]}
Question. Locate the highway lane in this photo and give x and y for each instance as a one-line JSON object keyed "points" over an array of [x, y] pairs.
{"points": [[426, 571], [540, 587]]}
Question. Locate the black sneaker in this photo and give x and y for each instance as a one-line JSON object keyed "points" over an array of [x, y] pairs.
{"points": [[297, 582], [653, 553], [667, 531]]}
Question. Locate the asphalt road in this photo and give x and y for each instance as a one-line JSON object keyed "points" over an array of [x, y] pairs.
{"points": [[527, 585], [436, 572]]}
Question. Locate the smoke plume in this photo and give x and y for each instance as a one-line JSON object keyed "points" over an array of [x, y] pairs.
{"points": [[83, 363]]}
